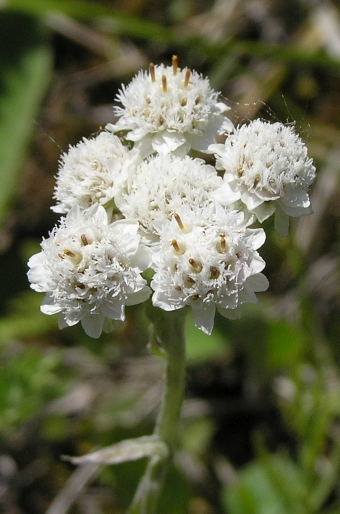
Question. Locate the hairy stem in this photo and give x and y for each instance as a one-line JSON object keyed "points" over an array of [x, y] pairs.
{"points": [[169, 328]]}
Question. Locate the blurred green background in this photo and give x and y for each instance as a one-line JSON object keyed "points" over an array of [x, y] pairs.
{"points": [[260, 431]]}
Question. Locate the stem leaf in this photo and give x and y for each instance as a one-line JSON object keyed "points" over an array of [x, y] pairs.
{"points": [[124, 451]]}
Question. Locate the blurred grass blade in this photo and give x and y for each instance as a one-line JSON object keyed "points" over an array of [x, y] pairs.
{"points": [[123, 23], [24, 75]]}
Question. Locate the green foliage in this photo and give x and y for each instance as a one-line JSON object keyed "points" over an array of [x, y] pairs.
{"points": [[24, 76], [121, 22], [29, 381], [201, 347], [177, 503], [273, 485], [25, 319]]}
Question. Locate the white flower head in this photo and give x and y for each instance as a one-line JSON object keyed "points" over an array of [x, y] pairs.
{"points": [[267, 168], [92, 172], [206, 260], [170, 109], [162, 184], [90, 270]]}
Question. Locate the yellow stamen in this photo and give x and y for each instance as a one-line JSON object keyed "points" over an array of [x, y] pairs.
{"points": [[84, 239], [179, 221], [152, 72], [164, 84], [174, 64], [191, 280], [187, 78], [175, 246], [256, 180], [214, 272], [196, 265], [69, 253], [75, 257]]}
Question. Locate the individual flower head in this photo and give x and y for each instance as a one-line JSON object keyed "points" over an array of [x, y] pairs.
{"points": [[161, 185], [92, 172], [170, 109], [90, 270], [208, 260], [267, 168]]}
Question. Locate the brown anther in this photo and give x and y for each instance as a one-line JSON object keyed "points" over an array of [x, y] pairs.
{"points": [[69, 253], [257, 180], [195, 297], [179, 221], [187, 78], [84, 239], [223, 243], [238, 255], [152, 72], [174, 64], [196, 265], [197, 99], [164, 84], [178, 288], [214, 272], [184, 101], [191, 280], [175, 246]]}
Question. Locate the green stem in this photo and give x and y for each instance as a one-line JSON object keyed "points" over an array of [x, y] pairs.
{"points": [[169, 328]]}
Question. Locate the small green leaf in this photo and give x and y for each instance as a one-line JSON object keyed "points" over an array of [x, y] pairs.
{"points": [[273, 486]]}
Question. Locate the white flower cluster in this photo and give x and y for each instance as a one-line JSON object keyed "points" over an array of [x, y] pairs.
{"points": [[153, 206], [266, 166]]}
